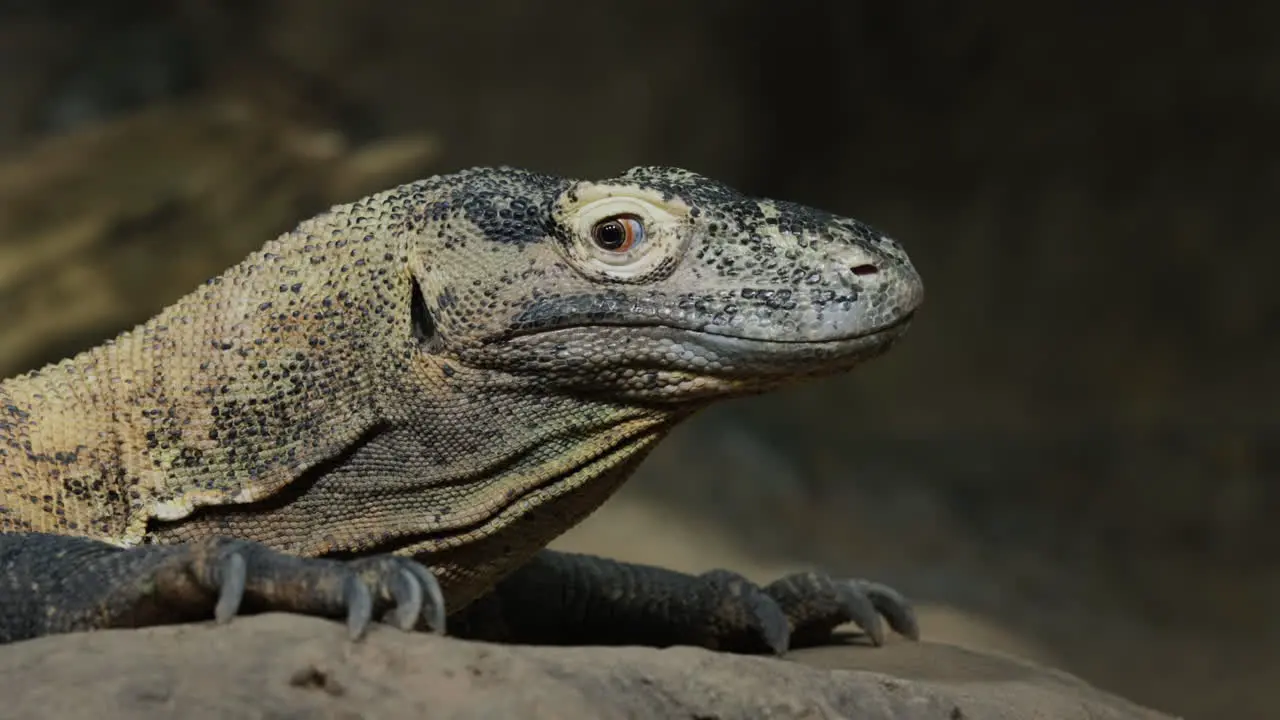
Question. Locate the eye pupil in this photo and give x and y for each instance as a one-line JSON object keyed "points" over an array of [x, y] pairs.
{"points": [[611, 235], [617, 234]]}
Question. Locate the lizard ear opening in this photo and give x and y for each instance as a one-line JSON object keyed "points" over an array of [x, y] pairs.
{"points": [[424, 325]]}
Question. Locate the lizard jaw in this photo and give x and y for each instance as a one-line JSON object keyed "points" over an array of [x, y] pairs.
{"points": [[662, 361], [786, 354]]}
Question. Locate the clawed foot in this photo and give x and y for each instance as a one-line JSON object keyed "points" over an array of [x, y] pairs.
{"points": [[248, 576], [797, 610]]}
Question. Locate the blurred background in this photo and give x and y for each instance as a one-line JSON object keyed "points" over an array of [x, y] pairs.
{"points": [[1073, 455]]}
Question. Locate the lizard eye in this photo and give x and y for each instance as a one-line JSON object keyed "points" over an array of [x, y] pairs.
{"points": [[619, 233]]}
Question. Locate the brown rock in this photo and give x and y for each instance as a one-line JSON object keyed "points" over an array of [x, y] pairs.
{"points": [[289, 666]]}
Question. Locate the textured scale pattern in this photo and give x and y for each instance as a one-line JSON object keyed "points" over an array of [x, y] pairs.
{"points": [[453, 370]]}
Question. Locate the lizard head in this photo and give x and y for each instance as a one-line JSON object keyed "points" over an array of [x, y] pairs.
{"points": [[659, 284]]}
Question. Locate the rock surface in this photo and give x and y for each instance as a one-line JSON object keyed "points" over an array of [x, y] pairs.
{"points": [[282, 666]]}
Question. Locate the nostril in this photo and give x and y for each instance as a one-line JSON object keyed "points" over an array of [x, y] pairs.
{"points": [[865, 269]]}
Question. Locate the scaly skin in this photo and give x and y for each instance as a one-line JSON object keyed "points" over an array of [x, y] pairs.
{"points": [[390, 411]]}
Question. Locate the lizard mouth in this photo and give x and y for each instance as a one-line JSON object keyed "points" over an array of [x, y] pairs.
{"points": [[661, 348], [784, 351], [731, 342]]}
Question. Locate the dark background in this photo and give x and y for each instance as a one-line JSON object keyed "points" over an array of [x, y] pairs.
{"points": [[1077, 441]]}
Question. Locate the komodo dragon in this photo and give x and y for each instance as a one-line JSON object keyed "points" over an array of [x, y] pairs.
{"points": [[392, 409]]}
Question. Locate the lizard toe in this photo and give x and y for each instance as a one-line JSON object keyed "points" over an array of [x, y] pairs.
{"points": [[894, 606], [816, 604], [740, 616], [408, 590]]}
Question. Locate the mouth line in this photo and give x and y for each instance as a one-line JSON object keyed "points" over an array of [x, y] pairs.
{"points": [[727, 340]]}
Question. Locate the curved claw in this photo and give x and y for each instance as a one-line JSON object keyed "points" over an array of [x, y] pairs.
{"points": [[894, 607], [408, 596], [773, 623], [861, 609], [432, 610], [413, 591], [234, 576], [359, 604]]}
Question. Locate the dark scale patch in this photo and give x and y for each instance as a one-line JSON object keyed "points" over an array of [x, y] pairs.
{"points": [[509, 206], [744, 213], [13, 423]]}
